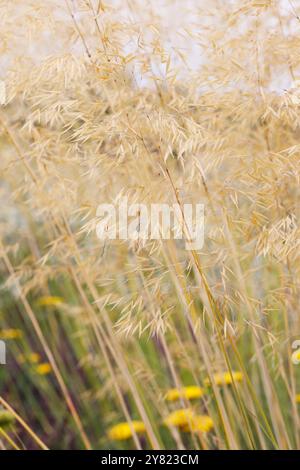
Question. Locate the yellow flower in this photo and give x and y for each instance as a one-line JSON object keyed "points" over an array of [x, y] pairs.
{"points": [[179, 418], [199, 423], [11, 334], [49, 301], [224, 378], [33, 358], [44, 368], [189, 393], [123, 431], [298, 398]]}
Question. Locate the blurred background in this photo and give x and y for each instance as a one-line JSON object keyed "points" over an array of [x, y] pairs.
{"points": [[118, 344]]}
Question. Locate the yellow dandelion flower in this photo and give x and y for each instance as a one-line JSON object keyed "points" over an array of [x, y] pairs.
{"points": [[191, 392], [199, 423], [49, 301], [298, 398], [179, 418], [44, 368], [123, 431], [225, 378], [11, 334], [33, 358]]}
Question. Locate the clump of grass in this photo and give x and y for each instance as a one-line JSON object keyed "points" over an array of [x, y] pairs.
{"points": [[112, 340]]}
